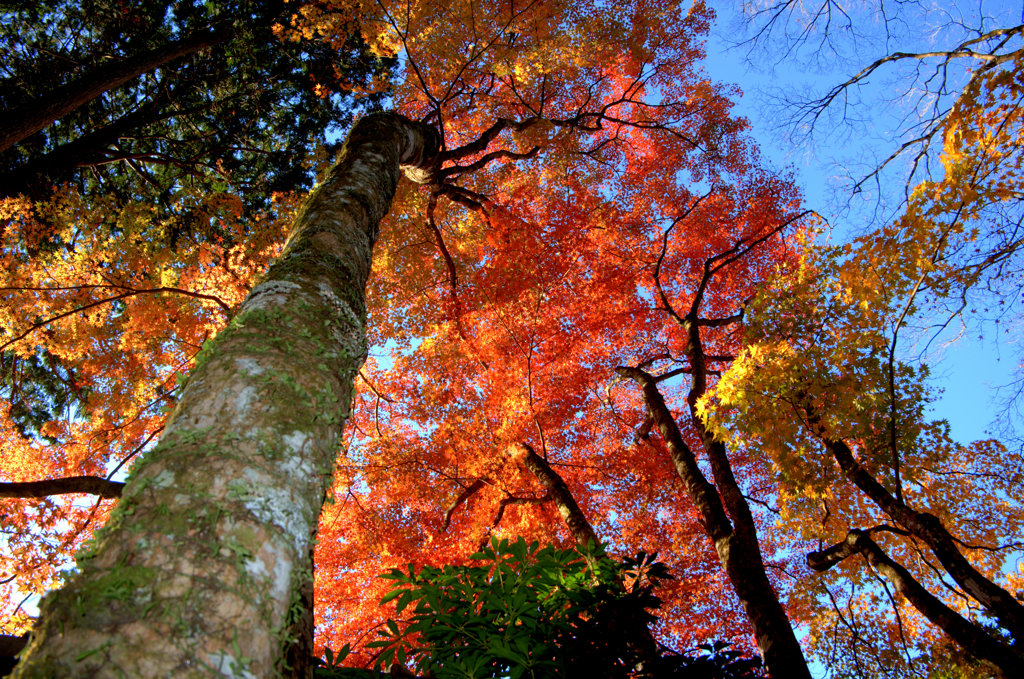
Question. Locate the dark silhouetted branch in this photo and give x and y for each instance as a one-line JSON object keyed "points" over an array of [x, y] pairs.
{"points": [[94, 485]]}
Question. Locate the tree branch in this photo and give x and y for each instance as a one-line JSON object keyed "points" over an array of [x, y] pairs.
{"points": [[967, 635], [460, 499], [929, 529], [94, 485]]}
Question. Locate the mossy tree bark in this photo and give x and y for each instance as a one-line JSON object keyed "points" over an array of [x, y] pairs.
{"points": [[201, 568]]}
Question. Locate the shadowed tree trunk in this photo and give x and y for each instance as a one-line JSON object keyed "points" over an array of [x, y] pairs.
{"points": [[35, 178], [971, 637], [727, 521], [27, 119], [570, 512], [10, 647], [201, 568]]}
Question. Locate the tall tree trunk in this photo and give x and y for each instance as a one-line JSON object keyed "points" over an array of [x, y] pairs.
{"points": [[36, 177], [27, 119], [735, 538], [201, 568]]}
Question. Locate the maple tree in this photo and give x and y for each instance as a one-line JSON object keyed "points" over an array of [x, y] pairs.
{"points": [[587, 183], [453, 427], [915, 530]]}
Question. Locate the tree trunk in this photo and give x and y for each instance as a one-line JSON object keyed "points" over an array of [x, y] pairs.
{"points": [[35, 115], [570, 512], [200, 570], [735, 538], [971, 637], [36, 177], [999, 603]]}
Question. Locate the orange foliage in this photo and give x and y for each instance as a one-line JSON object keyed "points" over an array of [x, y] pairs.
{"points": [[499, 305], [500, 316]]}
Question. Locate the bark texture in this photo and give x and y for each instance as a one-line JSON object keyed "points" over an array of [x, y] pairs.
{"points": [[200, 571]]}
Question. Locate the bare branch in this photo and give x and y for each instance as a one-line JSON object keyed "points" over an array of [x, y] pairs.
{"points": [[467, 492], [94, 485]]}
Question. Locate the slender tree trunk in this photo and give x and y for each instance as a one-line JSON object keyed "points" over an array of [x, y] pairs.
{"points": [[27, 119], [571, 513], [971, 637], [201, 568], [926, 527], [735, 538], [639, 634]]}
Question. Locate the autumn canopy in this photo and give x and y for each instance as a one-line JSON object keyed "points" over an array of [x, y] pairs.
{"points": [[246, 373]]}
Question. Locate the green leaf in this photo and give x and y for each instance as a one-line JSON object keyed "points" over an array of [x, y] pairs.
{"points": [[392, 595], [404, 601]]}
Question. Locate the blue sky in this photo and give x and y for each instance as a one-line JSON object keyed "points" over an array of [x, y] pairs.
{"points": [[968, 371]]}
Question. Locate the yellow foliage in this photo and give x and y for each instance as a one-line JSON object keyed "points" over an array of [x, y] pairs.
{"points": [[825, 359]]}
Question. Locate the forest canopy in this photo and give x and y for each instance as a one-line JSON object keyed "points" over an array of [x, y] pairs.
{"points": [[591, 314]]}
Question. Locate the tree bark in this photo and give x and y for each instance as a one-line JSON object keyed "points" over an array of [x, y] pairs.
{"points": [[27, 119], [969, 636], [200, 569], [735, 537], [571, 513]]}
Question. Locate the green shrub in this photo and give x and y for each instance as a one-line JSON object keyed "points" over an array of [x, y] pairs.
{"points": [[523, 611]]}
